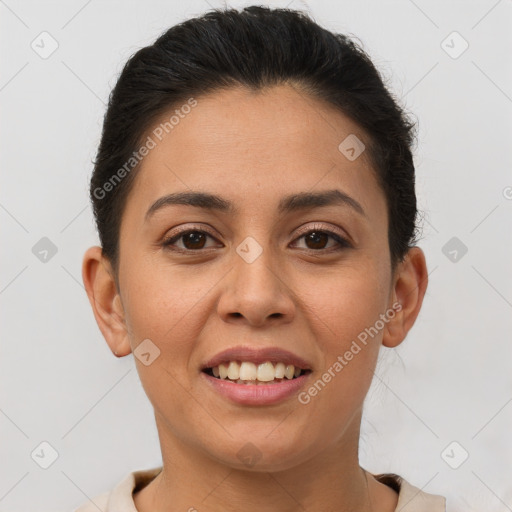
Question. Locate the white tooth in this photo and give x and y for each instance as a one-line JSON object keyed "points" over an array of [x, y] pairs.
{"points": [[280, 367], [248, 371], [233, 370], [290, 370], [266, 372], [223, 371]]}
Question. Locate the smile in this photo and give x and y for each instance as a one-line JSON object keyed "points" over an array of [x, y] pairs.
{"points": [[246, 372]]}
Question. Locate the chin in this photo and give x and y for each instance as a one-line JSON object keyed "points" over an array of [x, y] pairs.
{"points": [[261, 453]]}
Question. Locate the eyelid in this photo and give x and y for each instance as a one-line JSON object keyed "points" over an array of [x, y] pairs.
{"points": [[344, 240], [321, 227]]}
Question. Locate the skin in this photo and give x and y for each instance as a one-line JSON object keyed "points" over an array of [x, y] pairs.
{"points": [[253, 149]]}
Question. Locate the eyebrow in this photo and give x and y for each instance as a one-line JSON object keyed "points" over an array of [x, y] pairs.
{"points": [[291, 203]]}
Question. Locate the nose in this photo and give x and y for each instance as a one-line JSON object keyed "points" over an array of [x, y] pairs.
{"points": [[256, 292]]}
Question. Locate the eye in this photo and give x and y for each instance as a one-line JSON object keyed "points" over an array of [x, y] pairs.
{"points": [[193, 240], [316, 238]]}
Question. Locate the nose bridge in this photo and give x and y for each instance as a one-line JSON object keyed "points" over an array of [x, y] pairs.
{"points": [[255, 289], [255, 266], [263, 267]]}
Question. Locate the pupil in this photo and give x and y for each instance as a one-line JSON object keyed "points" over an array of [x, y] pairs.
{"points": [[194, 238], [316, 238]]}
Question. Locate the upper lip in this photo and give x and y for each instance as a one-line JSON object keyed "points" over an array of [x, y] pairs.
{"points": [[257, 356]]}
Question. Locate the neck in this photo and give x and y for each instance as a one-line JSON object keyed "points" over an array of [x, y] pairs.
{"points": [[331, 480]]}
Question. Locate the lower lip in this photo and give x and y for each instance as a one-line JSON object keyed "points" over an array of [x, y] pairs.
{"points": [[257, 394]]}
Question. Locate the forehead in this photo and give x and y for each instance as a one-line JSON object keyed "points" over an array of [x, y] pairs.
{"points": [[254, 147]]}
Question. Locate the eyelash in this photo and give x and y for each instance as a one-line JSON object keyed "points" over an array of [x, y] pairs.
{"points": [[342, 242]]}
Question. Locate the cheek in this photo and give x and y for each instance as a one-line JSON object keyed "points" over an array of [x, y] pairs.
{"points": [[165, 305], [344, 303], [346, 315]]}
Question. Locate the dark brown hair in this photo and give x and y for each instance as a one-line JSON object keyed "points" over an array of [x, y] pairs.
{"points": [[256, 47]]}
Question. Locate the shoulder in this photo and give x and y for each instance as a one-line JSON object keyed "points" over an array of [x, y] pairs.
{"points": [[411, 498], [121, 496]]}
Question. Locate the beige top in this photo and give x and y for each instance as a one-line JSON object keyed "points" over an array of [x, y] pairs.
{"points": [[120, 499]]}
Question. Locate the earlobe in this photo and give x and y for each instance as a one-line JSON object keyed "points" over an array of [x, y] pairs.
{"points": [[105, 300], [410, 285]]}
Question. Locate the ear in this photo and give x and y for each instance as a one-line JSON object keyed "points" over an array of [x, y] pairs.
{"points": [[101, 288], [410, 284]]}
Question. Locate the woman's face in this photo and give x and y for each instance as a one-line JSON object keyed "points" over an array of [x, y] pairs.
{"points": [[252, 278]]}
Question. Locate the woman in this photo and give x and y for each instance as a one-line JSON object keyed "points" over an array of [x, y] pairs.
{"points": [[254, 197]]}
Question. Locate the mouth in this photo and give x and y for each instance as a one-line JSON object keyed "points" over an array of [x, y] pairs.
{"points": [[249, 373], [251, 376]]}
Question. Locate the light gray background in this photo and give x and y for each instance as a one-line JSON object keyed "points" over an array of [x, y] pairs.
{"points": [[450, 380]]}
